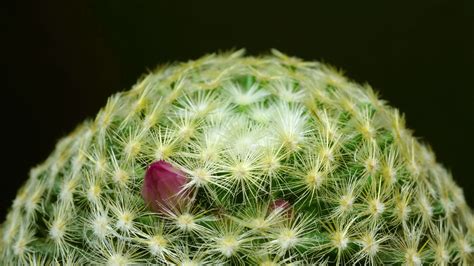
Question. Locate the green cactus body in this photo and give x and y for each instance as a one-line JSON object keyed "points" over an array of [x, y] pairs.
{"points": [[288, 162]]}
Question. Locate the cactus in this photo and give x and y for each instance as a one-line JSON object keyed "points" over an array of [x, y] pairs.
{"points": [[232, 159]]}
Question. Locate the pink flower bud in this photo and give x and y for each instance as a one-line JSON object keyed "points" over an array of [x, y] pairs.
{"points": [[281, 206], [163, 187]]}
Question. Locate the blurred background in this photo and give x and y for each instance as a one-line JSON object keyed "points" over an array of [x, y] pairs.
{"points": [[64, 58]]}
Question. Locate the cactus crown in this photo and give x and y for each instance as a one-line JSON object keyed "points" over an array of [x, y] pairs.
{"points": [[284, 161]]}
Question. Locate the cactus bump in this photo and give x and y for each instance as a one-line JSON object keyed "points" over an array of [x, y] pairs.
{"points": [[240, 160]]}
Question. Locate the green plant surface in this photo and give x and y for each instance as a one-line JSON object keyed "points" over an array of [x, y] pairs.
{"points": [[284, 162]]}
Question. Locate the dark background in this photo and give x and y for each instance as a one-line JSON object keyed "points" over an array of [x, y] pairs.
{"points": [[62, 61]]}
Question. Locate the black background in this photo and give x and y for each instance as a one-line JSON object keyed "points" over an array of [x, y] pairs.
{"points": [[62, 60]]}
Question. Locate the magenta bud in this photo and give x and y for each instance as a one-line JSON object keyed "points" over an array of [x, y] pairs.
{"points": [[281, 206], [163, 187]]}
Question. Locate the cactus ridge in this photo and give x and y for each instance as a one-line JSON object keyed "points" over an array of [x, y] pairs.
{"points": [[287, 161]]}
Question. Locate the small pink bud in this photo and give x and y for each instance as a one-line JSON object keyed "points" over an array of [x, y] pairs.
{"points": [[163, 187], [281, 206]]}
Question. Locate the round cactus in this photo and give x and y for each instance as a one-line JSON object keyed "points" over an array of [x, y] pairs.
{"points": [[231, 159]]}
